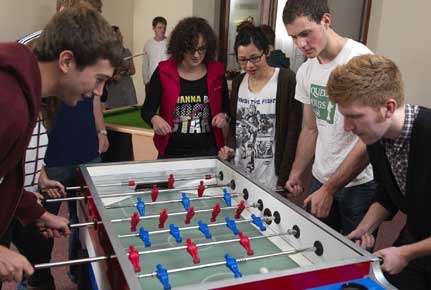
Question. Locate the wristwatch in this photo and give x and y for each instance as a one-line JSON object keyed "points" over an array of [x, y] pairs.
{"points": [[103, 132]]}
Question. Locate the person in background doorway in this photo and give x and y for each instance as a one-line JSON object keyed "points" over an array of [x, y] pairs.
{"points": [[155, 50], [276, 58]]}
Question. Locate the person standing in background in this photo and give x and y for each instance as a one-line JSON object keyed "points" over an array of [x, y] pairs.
{"points": [[276, 58], [155, 50], [121, 90]]}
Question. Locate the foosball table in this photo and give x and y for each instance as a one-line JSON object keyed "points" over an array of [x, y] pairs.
{"points": [[203, 224]]}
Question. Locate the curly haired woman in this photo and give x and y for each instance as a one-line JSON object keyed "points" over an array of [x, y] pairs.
{"points": [[190, 91]]}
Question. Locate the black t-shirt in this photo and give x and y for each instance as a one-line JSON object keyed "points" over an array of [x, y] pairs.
{"points": [[192, 132]]}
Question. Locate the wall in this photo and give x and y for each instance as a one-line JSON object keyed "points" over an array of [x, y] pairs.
{"points": [[144, 12], [210, 10], [32, 18], [37, 13], [400, 30], [120, 13]]}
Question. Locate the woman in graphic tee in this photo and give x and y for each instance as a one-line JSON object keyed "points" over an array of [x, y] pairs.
{"points": [[188, 100], [266, 119]]}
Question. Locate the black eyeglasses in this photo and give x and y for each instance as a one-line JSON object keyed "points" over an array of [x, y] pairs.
{"points": [[252, 59], [201, 50]]}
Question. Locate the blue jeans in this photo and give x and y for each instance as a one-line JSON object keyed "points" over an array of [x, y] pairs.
{"points": [[349, 207]]}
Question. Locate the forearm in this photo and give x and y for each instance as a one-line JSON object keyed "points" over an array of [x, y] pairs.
{"points": [[375, 215], [43, 177], [418, 249], [152, 102], [145, 68], [355, 162], [98, 114], [305, 151]]}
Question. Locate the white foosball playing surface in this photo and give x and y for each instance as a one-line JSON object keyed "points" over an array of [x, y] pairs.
{"points": [[233, 235]]}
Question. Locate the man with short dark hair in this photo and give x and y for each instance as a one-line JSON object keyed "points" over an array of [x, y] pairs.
{"points": [[155, 50], [76, 53], [342, 187]]}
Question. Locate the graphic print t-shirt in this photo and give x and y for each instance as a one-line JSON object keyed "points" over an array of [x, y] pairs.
{"points": [[333, 143], [192, 131], [255, 130]]}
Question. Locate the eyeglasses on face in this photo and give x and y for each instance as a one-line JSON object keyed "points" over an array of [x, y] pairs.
{"points": [[201, 50], [253, 59]]}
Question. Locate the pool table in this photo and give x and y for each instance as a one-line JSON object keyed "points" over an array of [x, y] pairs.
{"points": [[124, 124]]}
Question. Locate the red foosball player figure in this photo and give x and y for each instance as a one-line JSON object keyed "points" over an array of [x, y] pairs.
{"points": [[134, 258], [190, 215], [162, 218], [245, 242], [171, 181], [216, 211], [193, 251], [134, 221], [154, 193], [240, 208], [201, 188]]}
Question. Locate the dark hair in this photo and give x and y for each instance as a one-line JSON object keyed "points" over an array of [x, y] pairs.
{"points": [[244, 23], [185, 37], [313, 9], [251, 34], [159, 19], [269, 33], [82, 30], [96, 4]]}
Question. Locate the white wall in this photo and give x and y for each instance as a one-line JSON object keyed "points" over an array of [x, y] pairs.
{"points": [[144, 12], [120, 13], [400, 30], [16, 21]]}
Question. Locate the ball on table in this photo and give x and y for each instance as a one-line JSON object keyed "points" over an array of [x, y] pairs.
{"points": [[263, 270]]}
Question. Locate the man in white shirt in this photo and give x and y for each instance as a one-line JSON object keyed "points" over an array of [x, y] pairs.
{"points": [[154, 50], [342, 188]]}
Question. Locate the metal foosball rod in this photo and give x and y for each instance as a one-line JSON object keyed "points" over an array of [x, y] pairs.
{"points": [[129, 193], [264, 219], [103, 258], [233, 195], [222, 263], [133, 182], [289, 232], [72, 262], [156, 216], [178, 213]]}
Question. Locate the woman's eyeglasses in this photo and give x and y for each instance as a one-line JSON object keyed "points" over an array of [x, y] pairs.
{"points": [[253, 59], [201, 50]]}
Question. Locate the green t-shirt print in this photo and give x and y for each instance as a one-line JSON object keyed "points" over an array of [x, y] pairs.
{"points": [[322, 106]]}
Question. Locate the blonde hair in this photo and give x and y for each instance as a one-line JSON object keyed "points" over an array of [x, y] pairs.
{"points": [[368, 79]]}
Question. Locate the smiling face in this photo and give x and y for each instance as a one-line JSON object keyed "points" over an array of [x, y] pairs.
{"points": [[369, 124], [251, 59], [310, 37], [77, 84]]}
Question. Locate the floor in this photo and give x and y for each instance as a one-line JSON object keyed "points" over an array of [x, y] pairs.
{"points": [[387, 234]]}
